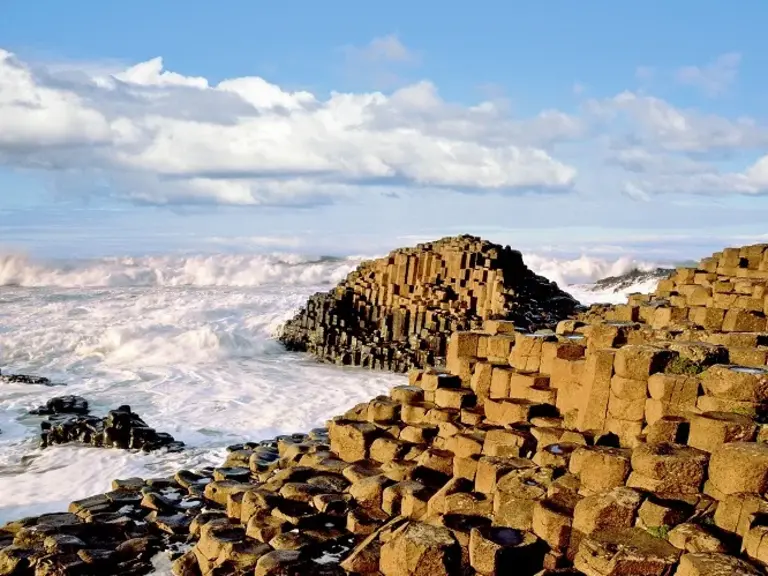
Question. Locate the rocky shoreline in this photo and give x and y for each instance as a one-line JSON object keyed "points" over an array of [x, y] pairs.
{"points": [[630, 440]]}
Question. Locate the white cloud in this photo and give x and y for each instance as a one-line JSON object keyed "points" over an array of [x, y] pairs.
{"points": [[258, 241], [151, 73], [758, 173], [661, 149], [385, 48], [380, 63], [657, 122], [641, 160], [159, 136], [676, 176], [151, 135], [34, 115], [713, 78], [419, 107], [634, 192]]}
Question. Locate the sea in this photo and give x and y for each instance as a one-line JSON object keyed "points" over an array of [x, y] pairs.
{"points": [[188, 341]]}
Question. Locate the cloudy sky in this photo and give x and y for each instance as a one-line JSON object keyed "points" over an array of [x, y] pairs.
{"points": [[596, 127]]}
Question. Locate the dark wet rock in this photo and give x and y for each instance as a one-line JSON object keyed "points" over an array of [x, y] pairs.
{"points": [[125, 497], [155, 501], [188, 479], [122, 428], [63, 543], [162, 484], [96, 556], [237, 474], [25, 379], [75, 544], [63, 405], [176, 524], [141, 548]]}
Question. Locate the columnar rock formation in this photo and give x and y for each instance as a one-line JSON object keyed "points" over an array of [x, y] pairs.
{"points": [[399, 311], [630, 441]]}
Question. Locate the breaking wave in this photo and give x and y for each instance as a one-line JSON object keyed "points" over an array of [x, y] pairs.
{"points": [[243, 271], [584, 269], [173, 271]]}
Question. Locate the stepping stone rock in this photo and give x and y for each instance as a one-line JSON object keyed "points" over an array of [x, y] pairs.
{"points": [[614, 509], [351, 440], [605, 468], [756, 544], [740, 467], [278, 563], [670, 467], [709, 564], [498, 550], [694, 538], [713, 429], [740, 383], [418, 549], [625, 552]]}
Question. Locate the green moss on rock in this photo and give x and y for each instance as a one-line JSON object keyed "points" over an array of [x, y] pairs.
{"points": [[684, 366]]}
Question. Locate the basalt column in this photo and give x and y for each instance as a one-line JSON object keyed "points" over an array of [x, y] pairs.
{"points": [[398, 312]]}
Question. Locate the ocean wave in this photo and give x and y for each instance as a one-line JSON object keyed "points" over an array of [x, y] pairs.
{"points": [[584, 269], [252, 270], [219, 270]]}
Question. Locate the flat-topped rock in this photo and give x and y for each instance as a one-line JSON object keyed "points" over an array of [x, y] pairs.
{"points": [[714, 564], [625, 552], [741, 383], [419, 549], [740, 467]]}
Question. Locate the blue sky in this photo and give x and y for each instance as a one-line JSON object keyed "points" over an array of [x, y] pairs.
{"points": [[600, 127]]}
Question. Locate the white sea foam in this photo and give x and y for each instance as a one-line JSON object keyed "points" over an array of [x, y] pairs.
{"points": [[586, 294], [189, 349], [201, 271], [584, 269], [187, 341]]}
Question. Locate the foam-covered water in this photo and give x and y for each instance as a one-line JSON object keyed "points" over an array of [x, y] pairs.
{"points": [[187, 341], [587, 294], [174, 271], [578, 275]]}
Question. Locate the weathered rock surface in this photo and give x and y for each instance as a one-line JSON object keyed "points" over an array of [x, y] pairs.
{"points": [[399, 311]]}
